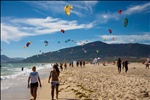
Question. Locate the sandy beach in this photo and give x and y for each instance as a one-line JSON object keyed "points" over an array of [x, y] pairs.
{"points": [[101, 83]]}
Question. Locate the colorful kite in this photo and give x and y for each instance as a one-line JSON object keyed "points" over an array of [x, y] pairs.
{"points": [[67, 9], [97, 51], [27, 44], [46, 43], [120, 11], [113, 38], [92, 45], [125, 22], [104, 39], [63, 31], [110, 31]]}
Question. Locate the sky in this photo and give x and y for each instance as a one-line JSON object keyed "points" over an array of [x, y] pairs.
{"points": [[89, 21]]}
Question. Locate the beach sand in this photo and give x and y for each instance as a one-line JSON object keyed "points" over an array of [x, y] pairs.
{"points": [[101, 83]]}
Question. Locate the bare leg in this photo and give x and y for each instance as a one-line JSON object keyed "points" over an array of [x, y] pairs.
{"points": [[35, 92], [31, 91], [57, 87], [52, 92]]}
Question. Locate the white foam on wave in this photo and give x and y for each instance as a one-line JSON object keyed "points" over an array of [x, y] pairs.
{"points": [[12, 80], [25, 72]]}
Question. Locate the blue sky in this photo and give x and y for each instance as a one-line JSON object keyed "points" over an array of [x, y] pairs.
{"points": [[37, 21]]}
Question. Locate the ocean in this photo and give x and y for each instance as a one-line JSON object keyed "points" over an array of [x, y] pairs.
{"points": [[14, 81], [12, 74]]}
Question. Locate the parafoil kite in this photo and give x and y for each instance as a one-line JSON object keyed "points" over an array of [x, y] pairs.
{"points": [[46, 43], [67, 9], [27, 44], [113, 38], [63, 31], [104, 39], [97, 51], [120, 11], [66, 41], [92, 45], [110, 31], [85, 51], [125, 22]]}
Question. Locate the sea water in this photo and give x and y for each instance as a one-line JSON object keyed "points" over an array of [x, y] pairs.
{"points": [[14, 81], [13, 72]]}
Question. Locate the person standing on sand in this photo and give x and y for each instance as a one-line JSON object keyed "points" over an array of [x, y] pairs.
{"points": [[81, 63], [123, 63], [61, 66], [54, 74], [126, 65], [65, 65], [34, 76], [77, 63], [147, 62], [119, 65]]}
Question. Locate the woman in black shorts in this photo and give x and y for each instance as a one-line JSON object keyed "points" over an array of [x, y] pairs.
{"points": [[34, 76]]}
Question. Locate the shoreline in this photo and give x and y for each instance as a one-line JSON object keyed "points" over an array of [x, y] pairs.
{"points": [[100, 83], [20, 91]]}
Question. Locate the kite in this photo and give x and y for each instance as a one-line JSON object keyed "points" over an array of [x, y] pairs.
{"points": [[120, 11], [69, 40], [110, 31], [125, 22], [104, 39], [58, 41], [113, 38], [46, 43], [66, 41], [97, 51], [92, 45], [67, 9], [85, 51], [27, 44], [63, 31]]}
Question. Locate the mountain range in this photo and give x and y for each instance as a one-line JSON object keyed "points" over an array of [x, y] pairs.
{"points": [[92, 50], [5, 59]]}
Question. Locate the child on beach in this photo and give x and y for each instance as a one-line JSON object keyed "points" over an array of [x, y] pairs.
{"points": [[54, 74], [34, 76]]}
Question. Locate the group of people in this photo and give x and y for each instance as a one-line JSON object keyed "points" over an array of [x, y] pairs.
{"points": [[124, 64], [34, 79]]}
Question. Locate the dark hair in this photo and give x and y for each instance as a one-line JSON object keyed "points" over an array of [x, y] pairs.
{"points": [[57, 69]]}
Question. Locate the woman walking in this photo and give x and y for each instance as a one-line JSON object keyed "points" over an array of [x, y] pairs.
{"points": [[34, 76], [54, 74]]}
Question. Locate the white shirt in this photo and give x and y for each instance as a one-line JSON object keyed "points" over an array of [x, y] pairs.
{"points": [[34, 77]]}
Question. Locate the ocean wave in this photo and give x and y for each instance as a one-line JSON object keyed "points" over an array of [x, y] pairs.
{"points": [[26, 71]]}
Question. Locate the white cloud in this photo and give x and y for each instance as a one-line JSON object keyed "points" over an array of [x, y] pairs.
{"points": [[13, 29], [137, 9], [57, 7], [105, 17], [145, 38]]}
